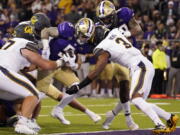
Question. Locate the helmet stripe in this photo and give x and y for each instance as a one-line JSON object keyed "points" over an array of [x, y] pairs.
{"points": [[90, 27], [101, 9]]}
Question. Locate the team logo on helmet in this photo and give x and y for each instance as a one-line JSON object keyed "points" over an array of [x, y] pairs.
{"points": [[28, 29], [33, 20]]}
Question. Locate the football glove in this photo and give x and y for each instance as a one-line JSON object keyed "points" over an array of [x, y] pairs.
{"points": [[70, 60]]}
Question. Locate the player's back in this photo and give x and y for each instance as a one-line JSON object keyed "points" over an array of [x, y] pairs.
{"points": [[10, 54], [120, 49]]}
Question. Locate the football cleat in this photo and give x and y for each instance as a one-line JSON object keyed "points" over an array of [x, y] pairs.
{"points": [[95, 117], [11, 121], [132, 125], [58, 113], [33, 125], [109, 118], [159, 129], [22, 127], [171, 123]]}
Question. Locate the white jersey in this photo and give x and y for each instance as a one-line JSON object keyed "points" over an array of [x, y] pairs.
{"points": [[120, 49], [10, 54]]}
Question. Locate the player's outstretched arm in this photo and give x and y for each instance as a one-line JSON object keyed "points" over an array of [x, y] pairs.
{"points": [[135, 27], [100, 65], [36, 59]]}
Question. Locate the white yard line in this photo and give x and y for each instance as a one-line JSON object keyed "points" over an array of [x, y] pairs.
{"points": [[103, 105], [70, 114]]}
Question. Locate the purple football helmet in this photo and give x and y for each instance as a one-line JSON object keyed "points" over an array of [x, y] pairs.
{"points": [[66, 30]]}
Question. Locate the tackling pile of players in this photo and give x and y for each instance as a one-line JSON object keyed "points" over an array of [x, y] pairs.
{"points": [[30, 56]]}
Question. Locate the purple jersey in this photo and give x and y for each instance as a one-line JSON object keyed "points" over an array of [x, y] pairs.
{"points": [[1, 43], [58, 45]]}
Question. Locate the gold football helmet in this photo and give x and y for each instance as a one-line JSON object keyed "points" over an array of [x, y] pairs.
{"points": [[105, 12], [84, 30]]}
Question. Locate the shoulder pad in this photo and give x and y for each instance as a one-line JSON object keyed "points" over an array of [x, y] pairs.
{"points": [[32, 46]]}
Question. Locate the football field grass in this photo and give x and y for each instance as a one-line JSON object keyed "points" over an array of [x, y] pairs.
{"points": [[80, 122]]}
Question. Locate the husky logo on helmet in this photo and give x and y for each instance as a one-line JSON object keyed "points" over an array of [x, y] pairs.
{"points": [[84, 30], [33, 20], [85, 26], [104, 9], [28, 29]]}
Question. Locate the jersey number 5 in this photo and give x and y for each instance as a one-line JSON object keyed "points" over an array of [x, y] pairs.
{"points": [[8, 44], [121, 41]]}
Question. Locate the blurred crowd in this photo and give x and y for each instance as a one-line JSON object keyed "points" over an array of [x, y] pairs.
{"points": [[159, 19]]}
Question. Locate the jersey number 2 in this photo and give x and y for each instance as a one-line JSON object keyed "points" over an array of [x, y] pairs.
{"points": [[121, 41]]}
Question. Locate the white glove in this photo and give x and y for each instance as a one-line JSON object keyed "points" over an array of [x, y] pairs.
{"points": [[70, 61]]}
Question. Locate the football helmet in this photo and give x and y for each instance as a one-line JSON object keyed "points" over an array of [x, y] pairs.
{"points": [[66, 30], [24, 31], [100, 33], [39, 21], [84, 30], [106, 13]]}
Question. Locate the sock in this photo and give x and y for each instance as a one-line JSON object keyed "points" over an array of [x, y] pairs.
{"points": [[147, 109], [161, 113], [116, 92], [102, 91], [89, 113], [66, 100], [117, 108], [127, 111], [94, 92], [109, 92]]}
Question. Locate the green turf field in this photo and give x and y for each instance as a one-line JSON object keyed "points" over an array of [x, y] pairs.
{"points": [[82, 123]]}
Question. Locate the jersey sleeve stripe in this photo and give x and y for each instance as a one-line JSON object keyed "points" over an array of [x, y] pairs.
{"points": [[19, 81]]}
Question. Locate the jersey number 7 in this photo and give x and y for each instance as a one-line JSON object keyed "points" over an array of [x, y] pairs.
{"points": [[8, 44]]}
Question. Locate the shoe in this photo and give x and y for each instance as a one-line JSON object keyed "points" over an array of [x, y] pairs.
{"points": [[33, 125], [161, 129], [171, 123], [58, 113], [12, 121], [132, 125], [95, 117], [22, 127], [109, 118]]}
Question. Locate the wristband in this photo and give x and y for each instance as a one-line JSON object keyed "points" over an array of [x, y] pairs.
{"points": [[59, 63], [85, 82], [45, 43]]}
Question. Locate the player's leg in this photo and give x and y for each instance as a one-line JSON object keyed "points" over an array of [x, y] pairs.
{"points": [[122, 74], [140, 89], [17, 84], [108, 77], [68, 78]]}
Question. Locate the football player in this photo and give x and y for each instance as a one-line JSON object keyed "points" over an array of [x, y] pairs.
{"points": [[82, 28], [64, 43], [123, 18], [18, 53], [117, 48]]}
